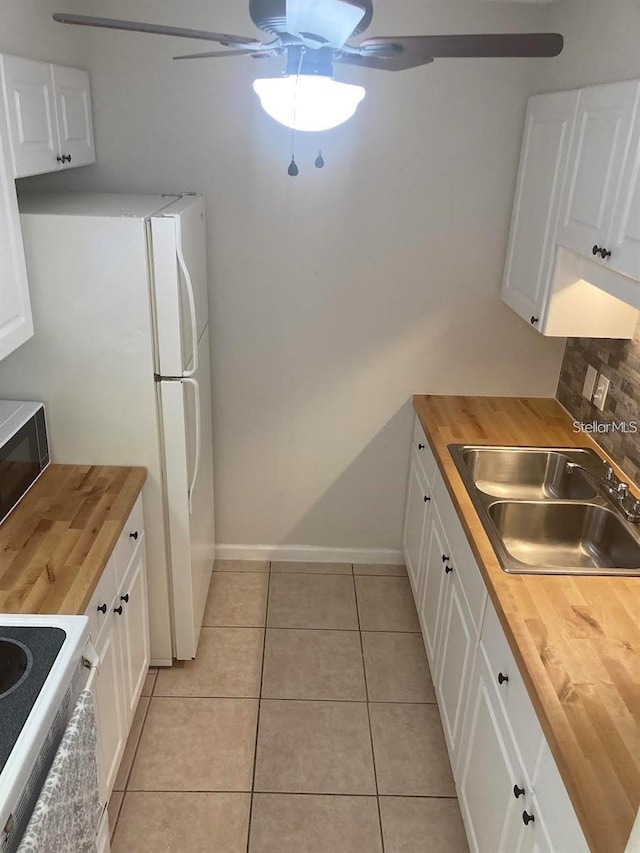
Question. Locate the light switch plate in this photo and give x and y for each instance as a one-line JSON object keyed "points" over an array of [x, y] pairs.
{"points": [[602, 389], [589, 382]]}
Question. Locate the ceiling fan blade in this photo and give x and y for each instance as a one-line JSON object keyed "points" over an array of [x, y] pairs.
{"points": [[257, 54], [398, 61], [158, 29], [471, 46], [324, 23]]}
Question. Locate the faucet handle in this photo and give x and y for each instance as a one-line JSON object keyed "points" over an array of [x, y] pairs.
{"points": [[622, 491], [608, 474]]}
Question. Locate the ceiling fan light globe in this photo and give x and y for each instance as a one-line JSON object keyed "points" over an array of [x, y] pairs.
{"points": [[308, 103]]}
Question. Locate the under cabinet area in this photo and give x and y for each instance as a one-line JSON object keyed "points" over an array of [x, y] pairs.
{"points": [[119, 626], [573, 261], [48, 115], [512, 797]]}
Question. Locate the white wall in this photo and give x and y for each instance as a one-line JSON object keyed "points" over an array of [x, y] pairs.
{"points": [[601, 43], [26, 29], [337, 295]]}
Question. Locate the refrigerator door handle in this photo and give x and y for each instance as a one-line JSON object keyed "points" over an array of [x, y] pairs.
{"points": [[190, 298], [196, 463]]}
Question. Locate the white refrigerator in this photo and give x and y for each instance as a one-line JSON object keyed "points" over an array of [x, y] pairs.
{"points": [[120, 358]]}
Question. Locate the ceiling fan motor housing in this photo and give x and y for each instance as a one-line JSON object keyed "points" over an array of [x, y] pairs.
{"points": [[271, 15]]}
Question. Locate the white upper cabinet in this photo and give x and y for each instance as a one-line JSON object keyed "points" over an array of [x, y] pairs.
{"points": [[603, 126], [48, 111], [543, 165], [624, 242], [16, 325]]}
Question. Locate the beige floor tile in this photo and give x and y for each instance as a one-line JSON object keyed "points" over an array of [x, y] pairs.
{"points": [[314, 748], [115, 804], [132, 744], [237, 600], [182, 823], [314, 824], [149, 683], [386, 604], [397, 668], [411, 755], [313, 665], [417, 825], [312, 601], [311, 568], [241, 566], [196, 745], [228, 664], [379, 569]]}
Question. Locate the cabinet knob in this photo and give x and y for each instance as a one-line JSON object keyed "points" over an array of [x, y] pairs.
{"points": [[595, 251], [527, 818], [102, 608], [427, 499], [534, 320], [448, 569], [118, 610], [445, 559], [66, 158], [502, 678], [518, 792], [60, 158], [133, 535], [125, 598], [604, 254], [420, 446]]}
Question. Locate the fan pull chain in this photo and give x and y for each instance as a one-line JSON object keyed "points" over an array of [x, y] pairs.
{"points": [[293, 170], [319, 162]]}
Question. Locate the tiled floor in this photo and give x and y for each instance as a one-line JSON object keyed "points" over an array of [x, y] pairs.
{"points": [[307, 724]]}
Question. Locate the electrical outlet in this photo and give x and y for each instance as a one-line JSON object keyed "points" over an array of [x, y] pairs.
{"points": [[602, 389], [589, 382]]}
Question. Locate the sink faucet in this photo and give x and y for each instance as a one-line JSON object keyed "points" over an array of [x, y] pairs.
{"points": [[614, 489]]}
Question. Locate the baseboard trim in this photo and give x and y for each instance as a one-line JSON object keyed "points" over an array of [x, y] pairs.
{"points": [[311, 554]]}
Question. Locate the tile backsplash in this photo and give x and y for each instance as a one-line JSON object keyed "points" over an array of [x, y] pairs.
{"points": [[619, 361]]}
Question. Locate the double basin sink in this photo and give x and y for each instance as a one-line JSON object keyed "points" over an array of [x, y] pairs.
{"points": [[545, 515]]}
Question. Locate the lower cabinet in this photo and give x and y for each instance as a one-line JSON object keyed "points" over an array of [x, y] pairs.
{"points": [[511, 795], [119, 626]]}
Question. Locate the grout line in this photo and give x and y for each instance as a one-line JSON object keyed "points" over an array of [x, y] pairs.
{"points": [[255, 747], [133, 761], [294, 793], [366, 691], [296, 699], [307, 628]]}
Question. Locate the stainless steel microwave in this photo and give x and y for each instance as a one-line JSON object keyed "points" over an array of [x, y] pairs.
{"points": [[24, 450]]}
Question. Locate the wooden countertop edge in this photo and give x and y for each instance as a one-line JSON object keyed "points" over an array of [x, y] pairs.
{"points": [[80, 581], [543, 696]]}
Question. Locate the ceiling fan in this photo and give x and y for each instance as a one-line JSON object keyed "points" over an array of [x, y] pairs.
{"points": [[313, 35]]}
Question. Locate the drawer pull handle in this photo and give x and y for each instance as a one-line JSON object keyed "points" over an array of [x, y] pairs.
{"points": [[502, 678], [427, 499], [448, 569], [420, 446], [134, 535], [118, 610], [527, 818], [125, 598], [445, 559], [102, 608], [518, 792]]}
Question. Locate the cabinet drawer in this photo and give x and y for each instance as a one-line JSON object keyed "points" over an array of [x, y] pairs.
{"points": [[130, 537], [520, 712], [461, 555], [426, 457], [101, 603]]}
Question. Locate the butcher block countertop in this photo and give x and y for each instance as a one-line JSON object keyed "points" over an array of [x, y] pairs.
{"points": [[56, 542], [576, 638]]}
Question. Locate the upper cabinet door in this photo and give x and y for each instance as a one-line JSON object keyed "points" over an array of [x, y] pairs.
{"points": [[624, 243], [16, 325], [603, 126], [543, 165], [73, 110], [30, 104]]}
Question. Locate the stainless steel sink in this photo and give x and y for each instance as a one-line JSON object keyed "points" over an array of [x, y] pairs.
{"points": [[528, 474], [543, 515], [582, 536]]}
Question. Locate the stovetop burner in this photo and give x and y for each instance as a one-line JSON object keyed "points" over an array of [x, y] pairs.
{"points": [[27, 654]]}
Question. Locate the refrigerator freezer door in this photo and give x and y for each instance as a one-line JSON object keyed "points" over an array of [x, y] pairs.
{"points": [[179, 255], [185, 414]]}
